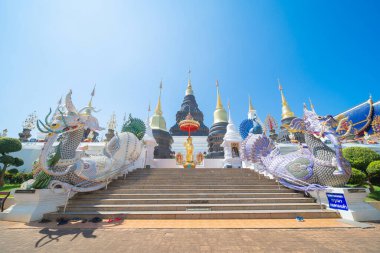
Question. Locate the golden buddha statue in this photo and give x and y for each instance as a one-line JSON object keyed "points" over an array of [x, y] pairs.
{"points": [[189, 149]]}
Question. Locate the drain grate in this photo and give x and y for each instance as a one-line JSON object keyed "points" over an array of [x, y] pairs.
{"points": [[196, 209], [198, 202]]}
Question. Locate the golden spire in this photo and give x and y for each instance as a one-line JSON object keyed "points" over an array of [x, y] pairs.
{"points": [[220, 115], [92, 95], [157, 121], [219, 104], [250, 109], [189, 90], [158, 110], [311, 105], [286, 112]]}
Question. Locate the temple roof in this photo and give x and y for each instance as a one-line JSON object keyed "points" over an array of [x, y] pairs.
{"points": [[362, 116]]}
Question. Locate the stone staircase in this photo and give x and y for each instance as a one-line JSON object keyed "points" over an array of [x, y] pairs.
{"points": [[193, 194]]}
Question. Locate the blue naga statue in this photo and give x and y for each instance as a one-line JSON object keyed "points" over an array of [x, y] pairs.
{"points": [[314, 165]]}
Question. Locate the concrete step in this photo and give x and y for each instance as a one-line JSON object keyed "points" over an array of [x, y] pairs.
{"points": [[165, 186], [246, 214], [190, 207], [108, 201], [103, 195], [204, 191], [211, 175], [197, 170], [203, 181]]}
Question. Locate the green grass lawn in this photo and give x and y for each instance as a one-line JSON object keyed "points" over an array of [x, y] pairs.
{"points": [[375, 196]]}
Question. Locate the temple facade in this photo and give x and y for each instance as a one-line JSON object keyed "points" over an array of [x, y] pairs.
{"points": [[218, 129]]}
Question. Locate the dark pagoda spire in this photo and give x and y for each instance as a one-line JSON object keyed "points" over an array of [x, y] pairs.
{"points": [[189, 104]]}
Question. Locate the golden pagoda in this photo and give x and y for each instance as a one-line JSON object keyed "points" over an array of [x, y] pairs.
{"points": [[157, 121], [250, 106], [189, 89], [220, 114], [286, 111]]}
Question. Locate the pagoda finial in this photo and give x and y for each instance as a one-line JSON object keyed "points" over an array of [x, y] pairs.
{"points": [[112, 124], [219, 104], [220, 115], [189, 90], [311, 105], [229, 112], [158, 110], [125, 118], [157, 121], [149, 109], [250, 106], [286, 111], [92, 95]]}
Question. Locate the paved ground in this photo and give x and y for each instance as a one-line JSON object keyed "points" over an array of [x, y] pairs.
{"points": [[189, 240], [184, 224]]}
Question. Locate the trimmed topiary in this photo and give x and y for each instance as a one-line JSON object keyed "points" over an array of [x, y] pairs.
{"points": [[357, 177], [9, 145], [373, 172], [135, 126], [13, 171], [360, 157]]}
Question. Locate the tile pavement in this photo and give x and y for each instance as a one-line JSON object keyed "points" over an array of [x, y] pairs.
{"points": [[189, 240]]}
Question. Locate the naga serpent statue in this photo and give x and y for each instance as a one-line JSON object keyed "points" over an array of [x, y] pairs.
{"points": [[65, 167], [311, 167]]}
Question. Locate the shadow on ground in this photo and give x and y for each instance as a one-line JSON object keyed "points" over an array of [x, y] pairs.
{"points": [[51, 235]]}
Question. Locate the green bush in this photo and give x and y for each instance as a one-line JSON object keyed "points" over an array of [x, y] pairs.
{"points": [[360, 157], [373, 172], [9, 145], [357, 177], [13, 171], [17, 178]]}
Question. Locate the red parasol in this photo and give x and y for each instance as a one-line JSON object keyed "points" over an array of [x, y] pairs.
{"points": [[189, 124]]}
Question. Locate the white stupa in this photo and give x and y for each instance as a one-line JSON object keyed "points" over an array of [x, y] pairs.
{"points": [[150, 142], [231, 144]]}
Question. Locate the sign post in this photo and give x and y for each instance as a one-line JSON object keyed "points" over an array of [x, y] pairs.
{"points": [[337, 201]]}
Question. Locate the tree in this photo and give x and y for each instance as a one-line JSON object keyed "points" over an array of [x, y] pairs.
{"points": [[8, 145], [357, 177], [373, 172], [360, 157]]}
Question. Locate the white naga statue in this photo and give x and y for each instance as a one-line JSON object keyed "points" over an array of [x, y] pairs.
{"points": [[63, 166]]}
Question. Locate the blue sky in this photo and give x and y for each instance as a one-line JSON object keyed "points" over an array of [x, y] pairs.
{"points": [[325, 50]]}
